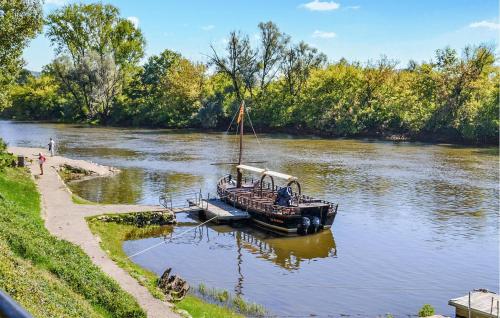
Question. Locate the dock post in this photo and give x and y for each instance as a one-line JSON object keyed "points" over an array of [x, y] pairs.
{"points": [[498, 310], [491, 309], [468, 309]]}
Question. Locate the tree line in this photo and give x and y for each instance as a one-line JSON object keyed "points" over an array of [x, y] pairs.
{"points": [[97, 77]]}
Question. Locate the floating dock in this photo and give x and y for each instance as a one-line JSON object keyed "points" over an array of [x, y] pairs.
{"points": [[477, 304], [221, 211]]}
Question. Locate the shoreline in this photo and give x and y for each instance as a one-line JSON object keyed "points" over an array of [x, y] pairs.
{"points": [[395, 137], [66, 220], [72, 218]]}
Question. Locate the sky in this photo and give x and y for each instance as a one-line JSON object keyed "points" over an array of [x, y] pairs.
{"points": [[358, 30]]}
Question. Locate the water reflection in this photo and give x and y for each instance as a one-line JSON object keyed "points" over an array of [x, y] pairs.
{"points": [[288, 253], [238, 248], [129, 186], [126, 187]]}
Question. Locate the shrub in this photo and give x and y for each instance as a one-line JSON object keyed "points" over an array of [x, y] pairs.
{"points": [[5, 158], [426, 311]]}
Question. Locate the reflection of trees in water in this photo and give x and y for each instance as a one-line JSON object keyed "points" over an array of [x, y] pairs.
{"points": [[125, 187], [171, 183], [137, 233], [132, 185], [456, 208], [102, 152]]}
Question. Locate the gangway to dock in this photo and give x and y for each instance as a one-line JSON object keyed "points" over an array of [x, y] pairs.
{"points": [[221, 211], [210, 208]]}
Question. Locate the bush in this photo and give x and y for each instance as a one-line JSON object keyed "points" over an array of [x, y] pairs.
{"points": [[426, 311], [5, 158]]}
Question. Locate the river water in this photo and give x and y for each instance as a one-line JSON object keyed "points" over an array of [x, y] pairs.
{"points": [[417, 223]]}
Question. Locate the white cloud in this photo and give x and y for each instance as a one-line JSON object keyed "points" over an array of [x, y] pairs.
{"points": [[352, 7], [485, 24], [323, 34], [317, 5], [134, 20], [56, 2], [209, 27]]}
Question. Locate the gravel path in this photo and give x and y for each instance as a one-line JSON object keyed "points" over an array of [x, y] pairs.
{"points": [[65, 219]]}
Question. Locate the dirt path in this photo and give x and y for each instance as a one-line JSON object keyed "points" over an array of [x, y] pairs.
{"points": [[65, 219]]}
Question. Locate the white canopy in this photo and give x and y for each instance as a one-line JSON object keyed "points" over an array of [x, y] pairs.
{"points": [[250, 168], [267, 172]]}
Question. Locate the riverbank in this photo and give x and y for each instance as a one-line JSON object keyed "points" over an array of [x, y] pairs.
{"points": [[49, 276], [66, 220], [431, 139], [65, 216]]}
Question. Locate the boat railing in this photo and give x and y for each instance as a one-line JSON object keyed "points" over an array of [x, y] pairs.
{"points": [[251, 202], [167, 199]]}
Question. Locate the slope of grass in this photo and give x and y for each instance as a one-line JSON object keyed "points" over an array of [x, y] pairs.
{"points": [[48, 276], [112, 235]]}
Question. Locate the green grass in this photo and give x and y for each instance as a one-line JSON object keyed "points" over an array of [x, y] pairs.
{"points": [[198, 308], [112, 236], [48, 276], [79, 200], [223, 297]]}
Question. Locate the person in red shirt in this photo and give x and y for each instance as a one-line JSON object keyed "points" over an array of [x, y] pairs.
{"points": [[41, 161]]}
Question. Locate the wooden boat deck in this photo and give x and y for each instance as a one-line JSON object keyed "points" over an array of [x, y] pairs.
{"points": [[221, 210]]}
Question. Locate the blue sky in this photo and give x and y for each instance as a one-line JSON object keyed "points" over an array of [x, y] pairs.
{"points": [[354, 29]]}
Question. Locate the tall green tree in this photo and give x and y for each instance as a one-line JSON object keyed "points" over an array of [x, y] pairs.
{"points": [[298, 62], [171, 92], [20, 21], [272, 45], [239, 63], [103, 49]]}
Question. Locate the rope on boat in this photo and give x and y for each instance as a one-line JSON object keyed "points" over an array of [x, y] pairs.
{"points": [[230, 124], [255, 134], [171, 238]]}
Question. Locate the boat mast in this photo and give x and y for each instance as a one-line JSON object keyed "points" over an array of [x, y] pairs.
{"points": [[241, 119]]}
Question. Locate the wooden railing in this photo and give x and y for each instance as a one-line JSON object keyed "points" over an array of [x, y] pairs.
{"points": [[266, 207]]}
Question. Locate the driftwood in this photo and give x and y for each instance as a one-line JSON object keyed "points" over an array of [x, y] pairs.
{"points": [[173, 286]]}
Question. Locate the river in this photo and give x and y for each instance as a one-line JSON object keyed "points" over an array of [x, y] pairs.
{"points": [[417, 223]]}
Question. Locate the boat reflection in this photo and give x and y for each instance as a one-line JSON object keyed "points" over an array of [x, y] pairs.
{"points": [[286, 252]]}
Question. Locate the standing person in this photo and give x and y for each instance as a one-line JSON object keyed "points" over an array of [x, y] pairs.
{"points": [[41, 161], [52, 147]]}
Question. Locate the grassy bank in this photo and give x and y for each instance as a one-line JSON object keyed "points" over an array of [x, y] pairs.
{"points": [[112, 236], [48, 276]]}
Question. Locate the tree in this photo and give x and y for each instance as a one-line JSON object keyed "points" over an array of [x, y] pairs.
{"points": [[172, 89], [273, 44], [457, 85], [103, 49], [298, 61], [239, 64], [376, 88], [20, 21]]}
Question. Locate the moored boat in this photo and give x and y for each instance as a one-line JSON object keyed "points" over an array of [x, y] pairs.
{"points": [[278, 208]]}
